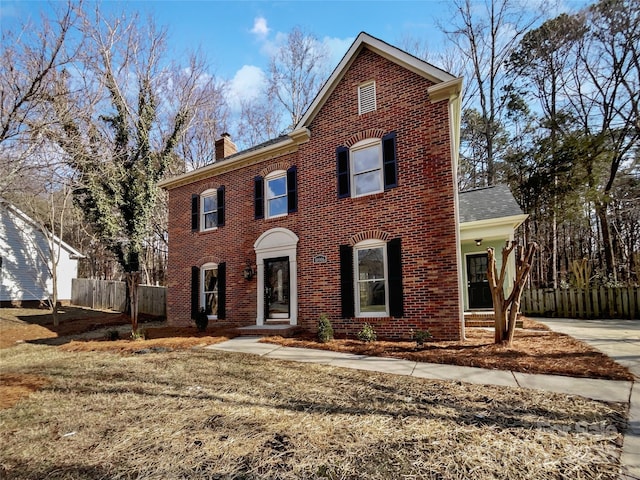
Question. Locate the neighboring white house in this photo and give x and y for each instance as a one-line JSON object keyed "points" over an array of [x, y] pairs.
{"points": [[25, 261]]}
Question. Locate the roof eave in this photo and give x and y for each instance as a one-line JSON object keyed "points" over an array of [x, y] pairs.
{"points": [[296, 137]]}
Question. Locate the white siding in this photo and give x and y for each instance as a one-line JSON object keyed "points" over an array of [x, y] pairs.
{"points": [[24, 274]]}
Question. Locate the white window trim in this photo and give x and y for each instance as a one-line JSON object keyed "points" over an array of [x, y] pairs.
{"points": [[362, 144], [208, 193], [203, 300], [273, 176], [366, 244], [361, 88]]}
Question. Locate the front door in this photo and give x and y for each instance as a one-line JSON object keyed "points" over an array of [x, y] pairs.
{"points": [[276, 288], [477, 282]]}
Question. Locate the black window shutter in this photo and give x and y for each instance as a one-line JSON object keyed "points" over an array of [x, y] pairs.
{"points": [[195, 292], [292, 189], [195, 211], [394, 267], [389, 160], [346, 281], [222, 297], [258, 197], [342, 166], [221, 206]]}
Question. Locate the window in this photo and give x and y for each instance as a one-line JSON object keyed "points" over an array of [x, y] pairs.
{"points": [[207, 210], [209, 202], [371, 279], [370, 267], [367, 97], [208, 290], [368, 167], [277, 193]]}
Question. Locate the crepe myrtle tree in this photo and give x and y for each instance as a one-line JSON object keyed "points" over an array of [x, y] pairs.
{"points": [[506, 309]]}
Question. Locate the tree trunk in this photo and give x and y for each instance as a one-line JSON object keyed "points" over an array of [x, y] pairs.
{"points": [[133, 279], [506, 310]]}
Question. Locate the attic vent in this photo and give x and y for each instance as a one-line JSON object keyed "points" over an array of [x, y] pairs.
{"points": [[367, 98]]}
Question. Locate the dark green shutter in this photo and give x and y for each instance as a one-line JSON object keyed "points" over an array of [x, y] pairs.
{"points": [[221, 206], [258, 197], [346, 281], [292, 189], [342, 167], [389, 160], [222, 297], [394, 267], [195, 292], [195, 213]]}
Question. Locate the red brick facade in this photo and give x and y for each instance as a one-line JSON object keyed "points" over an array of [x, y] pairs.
{"points": [[419, 211]]}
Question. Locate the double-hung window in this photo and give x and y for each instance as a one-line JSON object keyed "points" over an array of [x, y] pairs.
{"points": [[209, 291], [276, 193], [370, 267], [207, 210], [368, 167]]}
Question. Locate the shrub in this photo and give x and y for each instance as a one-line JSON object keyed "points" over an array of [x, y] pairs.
{"points": [[139, 335], [367, 333], [325, 330], [202, 320], [420, 336]]}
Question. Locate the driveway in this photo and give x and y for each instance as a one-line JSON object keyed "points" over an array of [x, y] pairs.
{"points": [[619, 339]]}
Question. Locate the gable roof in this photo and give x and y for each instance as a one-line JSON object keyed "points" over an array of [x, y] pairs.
{"points": [[439, 77], [487, 203], [446, 87], [12, 209]]}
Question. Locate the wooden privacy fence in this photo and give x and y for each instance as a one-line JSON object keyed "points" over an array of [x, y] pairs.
{"points": [[112, 295], [596, 302]]}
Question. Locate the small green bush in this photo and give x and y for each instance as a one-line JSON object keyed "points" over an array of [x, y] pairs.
{"points": [[325, 330], [367, 333], [420, 336]]}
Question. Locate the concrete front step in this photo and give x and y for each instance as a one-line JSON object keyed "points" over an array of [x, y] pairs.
{"points": [[282, 330]]}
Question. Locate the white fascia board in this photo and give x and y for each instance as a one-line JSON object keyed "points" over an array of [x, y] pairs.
{"points": [[288, 145], [491, 228]]}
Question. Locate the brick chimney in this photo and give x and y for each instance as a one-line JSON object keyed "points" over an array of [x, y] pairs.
{"points": [[225, 147]]}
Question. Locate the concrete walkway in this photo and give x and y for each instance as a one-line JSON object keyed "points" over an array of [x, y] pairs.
{"points": [[606, 390], [619, 339]]}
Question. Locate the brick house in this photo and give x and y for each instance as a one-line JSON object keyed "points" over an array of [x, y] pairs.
{"points": [[353, 214]]}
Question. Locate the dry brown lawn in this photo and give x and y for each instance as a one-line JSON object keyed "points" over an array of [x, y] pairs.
{"points": [[203, 414]]}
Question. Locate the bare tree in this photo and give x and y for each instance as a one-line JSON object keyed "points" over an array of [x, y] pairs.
{"points": [[259, 121], [30, 58], [485, 34], [127, 140], [296, 72]]}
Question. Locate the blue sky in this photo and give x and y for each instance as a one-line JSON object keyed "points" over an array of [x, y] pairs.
{"points": [[238, 36]]}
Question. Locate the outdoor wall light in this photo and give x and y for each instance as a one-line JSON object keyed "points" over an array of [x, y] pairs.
{"points": [[478, 241], [248, 272]]}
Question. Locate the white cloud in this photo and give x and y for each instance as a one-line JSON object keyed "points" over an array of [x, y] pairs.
{"points": [[248, 83], [260, 28]]}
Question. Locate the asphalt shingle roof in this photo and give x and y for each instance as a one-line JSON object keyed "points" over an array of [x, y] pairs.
{"points": [[485, 203]]}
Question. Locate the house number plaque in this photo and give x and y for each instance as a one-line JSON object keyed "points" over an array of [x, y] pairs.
{"points": [[320, 259]]}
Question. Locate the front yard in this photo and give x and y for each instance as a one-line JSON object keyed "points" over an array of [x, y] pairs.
{"points": [[167, 408]]}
